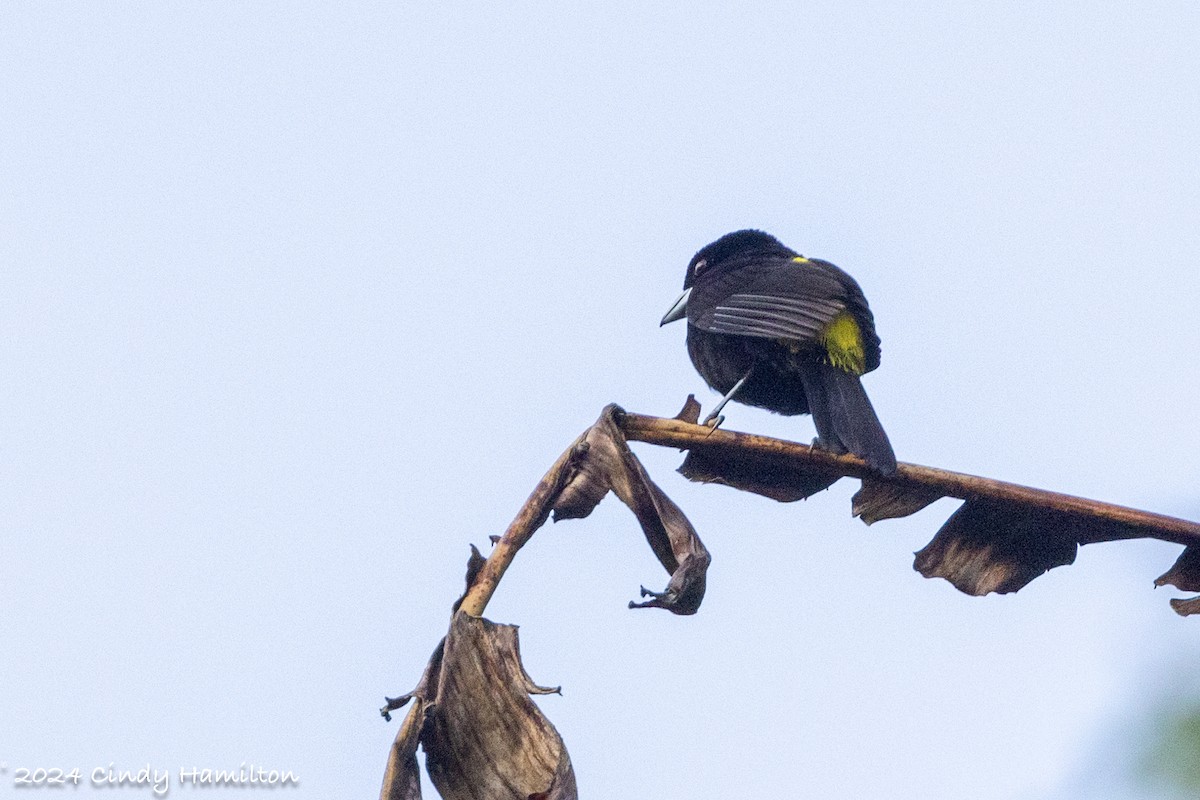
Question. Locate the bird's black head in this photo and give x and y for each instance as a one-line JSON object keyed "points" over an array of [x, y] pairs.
{"points": [[733, 246]]}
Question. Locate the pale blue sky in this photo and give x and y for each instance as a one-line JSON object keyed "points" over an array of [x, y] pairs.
{"points": [[299, 299]]}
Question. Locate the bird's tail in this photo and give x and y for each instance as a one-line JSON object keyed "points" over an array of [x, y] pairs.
{"points": [[845, 419]]}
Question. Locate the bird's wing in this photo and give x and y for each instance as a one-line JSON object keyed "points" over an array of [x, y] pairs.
{"points": [[774, 299], [781, 299], [769, 315]]}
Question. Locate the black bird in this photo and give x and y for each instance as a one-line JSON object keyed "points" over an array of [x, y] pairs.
{"points": [[770, 328]]}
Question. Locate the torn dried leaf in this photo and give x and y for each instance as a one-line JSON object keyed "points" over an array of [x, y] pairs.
{"points": [[878, 500], [401, 778], [483, 736], [1184, 574], [772, 477], [1185, 608], [474, 565], [609, 465], [589, 481], [690, 411], [997, 547]]}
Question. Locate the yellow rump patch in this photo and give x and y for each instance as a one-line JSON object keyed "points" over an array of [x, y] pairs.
{"points": [[844, 344]]}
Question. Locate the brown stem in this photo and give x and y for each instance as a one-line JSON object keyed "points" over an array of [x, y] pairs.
{"points": [[685, 435], [533, 515]]}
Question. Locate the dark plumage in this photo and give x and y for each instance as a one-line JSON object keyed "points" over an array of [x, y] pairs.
{"points": [[798, 330]]}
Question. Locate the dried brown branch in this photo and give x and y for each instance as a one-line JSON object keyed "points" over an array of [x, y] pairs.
{"points": [[1003, 536], [597, 462], [799, 460], [471, 711], [533, 515]]}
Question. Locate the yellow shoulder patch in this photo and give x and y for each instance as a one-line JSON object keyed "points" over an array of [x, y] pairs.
{"points": [[844, 344], [801, 260]]}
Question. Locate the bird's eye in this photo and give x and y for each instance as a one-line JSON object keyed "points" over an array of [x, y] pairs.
{"points": [[699, 267]]}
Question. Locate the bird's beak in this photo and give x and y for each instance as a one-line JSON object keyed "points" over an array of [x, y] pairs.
{"points": [[679, 310]]}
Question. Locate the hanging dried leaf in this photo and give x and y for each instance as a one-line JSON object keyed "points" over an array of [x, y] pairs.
{"points": [[996, 547], [877, 500], [1185, 575], [690, 412], [1185, 608], [401, 778], [474, 566], [483, 737], [609, 465], [767, 476]]}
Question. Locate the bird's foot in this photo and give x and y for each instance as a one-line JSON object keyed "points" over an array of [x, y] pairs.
{"points": [[820, 444]]}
